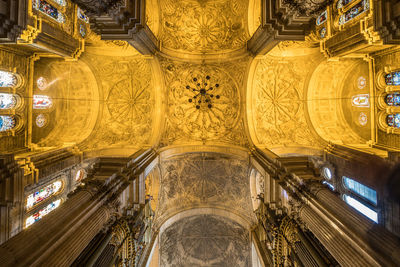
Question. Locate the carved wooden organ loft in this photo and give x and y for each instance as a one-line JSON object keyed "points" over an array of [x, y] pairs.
{"points": [[199, 133]]}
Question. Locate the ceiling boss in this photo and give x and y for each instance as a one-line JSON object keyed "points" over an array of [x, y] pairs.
{"points": [[203, 93]]}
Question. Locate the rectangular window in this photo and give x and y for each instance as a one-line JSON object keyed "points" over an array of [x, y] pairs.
{"points": [[360, 189], [366, 211]]}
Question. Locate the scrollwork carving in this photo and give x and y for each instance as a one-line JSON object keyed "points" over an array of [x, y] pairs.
{"points": [[204, 25]]}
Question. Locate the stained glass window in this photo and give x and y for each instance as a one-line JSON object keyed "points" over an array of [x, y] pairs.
{"points": [[7, 101], [393, 120], [41, 102], [79, 175], [361, 82], [360, 189], [342, 3], [41, 83], [393, 78], [366, 211], [61, 2], [7, 79], [363, 119], [49, 10], [82, 30], [354, 12], [361, 100], [82, 16], [43, 194], [41, 213], [41, 120], [322, 32], [7, 123], [393, 99], [322, 18], [327, 173]]}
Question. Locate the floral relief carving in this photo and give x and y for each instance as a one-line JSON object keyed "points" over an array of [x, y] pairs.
{"points": [[279, 117], [129, 100], [204, 180], [205, 240], [185, 122], [203, 25]]}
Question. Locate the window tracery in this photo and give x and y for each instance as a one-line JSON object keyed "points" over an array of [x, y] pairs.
{"points": [[7, 101], [354, 12], [42, 212], [43, 194], [7, 123], [41, 102], [48, 10], [8, 79]]}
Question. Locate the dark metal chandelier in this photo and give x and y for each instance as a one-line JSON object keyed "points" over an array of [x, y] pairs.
{"points": [[203, 93]]}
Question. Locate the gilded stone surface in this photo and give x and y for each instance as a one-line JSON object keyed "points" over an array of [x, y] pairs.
{"points": [[205, 240]]}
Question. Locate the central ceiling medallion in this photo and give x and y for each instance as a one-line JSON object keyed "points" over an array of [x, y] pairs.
{"points": [[203, 93]]}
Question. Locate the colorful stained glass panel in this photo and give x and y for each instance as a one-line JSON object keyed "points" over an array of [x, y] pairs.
{"points": [[43, 194], [49, 10], [342, 3], [41, 102], [41, 213], [7, 79], [7, 101], [393, 120], [7, 123], [354, 12], [393, 99], [82, 16], [393, 78], [322, 18]]}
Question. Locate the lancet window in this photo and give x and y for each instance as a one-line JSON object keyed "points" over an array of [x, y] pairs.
{"points": [[393, 78], [43, 194], [354, 12], [48, 10], [41, 102], [7, 101], [7, 123], [8, 79], [42, 212]]}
